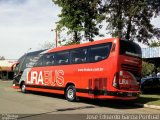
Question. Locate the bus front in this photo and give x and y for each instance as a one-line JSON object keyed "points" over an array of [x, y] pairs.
{"points": [[127, 75]]}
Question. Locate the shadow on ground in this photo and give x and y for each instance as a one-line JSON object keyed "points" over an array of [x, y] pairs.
{"points": [[145, 100], [117, 104]]}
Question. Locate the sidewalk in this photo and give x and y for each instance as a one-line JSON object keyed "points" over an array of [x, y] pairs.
{"points": [[148, 106], [149, 101]]}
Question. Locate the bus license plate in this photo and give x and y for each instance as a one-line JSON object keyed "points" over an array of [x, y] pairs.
{"points": [[129, 94]]}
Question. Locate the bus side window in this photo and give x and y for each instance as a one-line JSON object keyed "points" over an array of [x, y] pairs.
{"points": [[49, 59], [78, 55], [39, 62], [99, 52], [62, 58]]}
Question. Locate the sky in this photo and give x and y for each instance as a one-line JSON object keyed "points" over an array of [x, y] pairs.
{"points": [[26, 24]]}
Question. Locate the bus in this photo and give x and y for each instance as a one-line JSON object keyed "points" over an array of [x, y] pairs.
{"points": [[25, 61], [104, 69]]}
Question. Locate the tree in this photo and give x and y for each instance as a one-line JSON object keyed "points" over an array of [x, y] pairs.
{"points": [[2, 58], [128, 19], [154, 44], [147, 68], [47, 45], [131, 19], [79, 17]]}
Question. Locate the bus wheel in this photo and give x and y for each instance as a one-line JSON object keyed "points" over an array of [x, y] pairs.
{"points": [[70, 93], [23, 88]]}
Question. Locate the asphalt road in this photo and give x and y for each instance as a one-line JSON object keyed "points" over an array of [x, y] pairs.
{"points": [[38, 106]]}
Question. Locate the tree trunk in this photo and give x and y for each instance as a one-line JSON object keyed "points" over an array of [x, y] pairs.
{"points": [[75, 36], [119, 26], [129, 28]]}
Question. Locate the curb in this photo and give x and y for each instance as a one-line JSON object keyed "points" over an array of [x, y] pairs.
{"points": [[148, 106]]}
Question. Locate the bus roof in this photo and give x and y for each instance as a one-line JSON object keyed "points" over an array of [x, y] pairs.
{"points": [[81, 45], [31, 53]]}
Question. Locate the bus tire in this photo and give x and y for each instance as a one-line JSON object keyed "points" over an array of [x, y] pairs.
{"points": [[70, 93], [23, 88]]}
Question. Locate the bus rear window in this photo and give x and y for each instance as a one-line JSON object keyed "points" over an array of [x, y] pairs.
{"points": [[130, 48]]}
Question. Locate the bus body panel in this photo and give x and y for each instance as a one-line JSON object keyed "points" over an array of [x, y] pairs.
{"points": [[91, 79], [79, 75]]}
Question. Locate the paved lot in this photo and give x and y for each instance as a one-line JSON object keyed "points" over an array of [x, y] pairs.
{"points": [[39, 105]]}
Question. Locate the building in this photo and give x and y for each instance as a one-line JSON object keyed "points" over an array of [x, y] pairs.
{"points": [[152, 55], [7, 69]]}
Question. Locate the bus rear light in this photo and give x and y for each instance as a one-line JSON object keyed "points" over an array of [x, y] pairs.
{"points": [[116, 80]]}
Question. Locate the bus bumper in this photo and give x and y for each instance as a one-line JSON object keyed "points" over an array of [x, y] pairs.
{"points": [[123, 95]]}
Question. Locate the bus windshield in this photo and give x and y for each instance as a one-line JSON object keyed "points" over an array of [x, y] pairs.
{"points": [[29, 59], [130, 48]]}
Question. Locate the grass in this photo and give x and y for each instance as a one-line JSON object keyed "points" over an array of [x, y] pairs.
{"points": [[150, 99]]}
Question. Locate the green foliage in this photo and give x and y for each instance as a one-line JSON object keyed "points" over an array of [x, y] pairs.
{"points": [[149, 99], [131, 19], [2, 58], [79, 16], [65, 42], [147, 68], [154, 44], [71, 43], [128, 19]]}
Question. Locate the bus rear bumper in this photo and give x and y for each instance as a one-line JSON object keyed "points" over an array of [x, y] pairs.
{"points": [[123, 95], [114, 97]]}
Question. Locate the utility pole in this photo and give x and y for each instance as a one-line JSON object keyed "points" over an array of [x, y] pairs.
{"points": [[56, 38]]}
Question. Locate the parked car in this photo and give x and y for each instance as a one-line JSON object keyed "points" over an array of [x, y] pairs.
{"points": [[150, 85]]}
